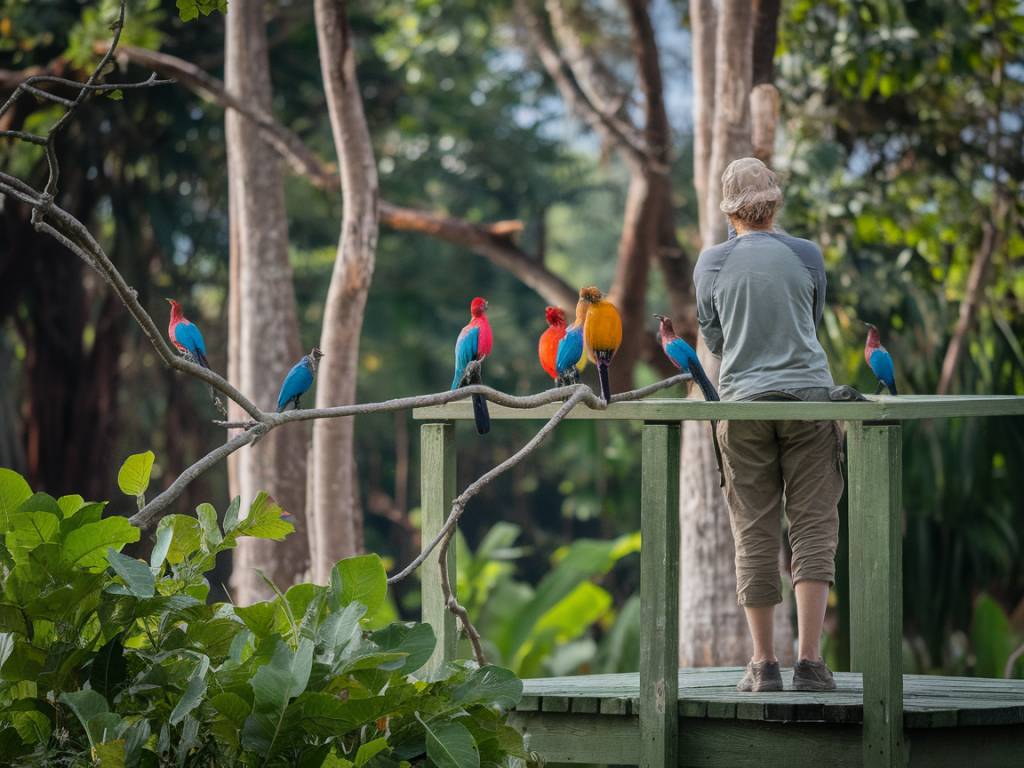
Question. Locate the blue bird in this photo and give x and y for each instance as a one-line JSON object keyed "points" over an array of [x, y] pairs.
{"points": [[879, 361], [571, 356], [684, 357], [185, 335], [299, 380]]}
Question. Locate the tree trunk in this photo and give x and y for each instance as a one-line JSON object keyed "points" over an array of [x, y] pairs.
{"points": [[713, 629], [262, 310], [335, 514]]}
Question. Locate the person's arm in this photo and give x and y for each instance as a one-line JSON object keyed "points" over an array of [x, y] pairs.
{"points": [[707, 313], [820, 286]]}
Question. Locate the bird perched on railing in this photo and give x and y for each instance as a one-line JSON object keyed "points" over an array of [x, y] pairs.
{"points": [[602, 333], [185, 335], [547, 345], [298, 380], [571, 357], [879, 361], [473, 345], [684, 357]]}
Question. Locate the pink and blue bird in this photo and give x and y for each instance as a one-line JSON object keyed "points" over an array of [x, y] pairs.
{"points": [[298, 380], [474, 344], [185, 335], [684, 357], [879, 361]]}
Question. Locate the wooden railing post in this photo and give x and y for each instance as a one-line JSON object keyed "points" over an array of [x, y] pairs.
{"points": [[437, 490], [659, 596], [876, 586]]}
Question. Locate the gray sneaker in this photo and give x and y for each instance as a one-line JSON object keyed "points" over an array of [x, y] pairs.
{"points": [[761, 676], [812, 676]]}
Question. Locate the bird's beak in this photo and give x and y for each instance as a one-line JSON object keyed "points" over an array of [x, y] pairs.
{"points": [[168, 300]]}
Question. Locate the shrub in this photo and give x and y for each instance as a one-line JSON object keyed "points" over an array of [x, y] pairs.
{"points": [[107, 660]]}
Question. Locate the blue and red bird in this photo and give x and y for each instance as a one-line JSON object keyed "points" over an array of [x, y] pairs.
{"points": [[570, 355], [684, 357], [298, 380], [879, 361], [547, 345], [185, 335], [474, 344]]}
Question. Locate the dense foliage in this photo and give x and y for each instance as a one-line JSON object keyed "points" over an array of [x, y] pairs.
{"points": [[109, 660]]}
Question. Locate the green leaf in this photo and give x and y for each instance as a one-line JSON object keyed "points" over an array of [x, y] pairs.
{"points": [[109, 754], [258, 617], [264, 521], [13, 491], [990, 637], [109, 669], [450, 745], [30, 529], [133, 477], [283, 678], [87, 546], [360, 579], [33, 727], [194, 690], [208, 522], [114, 95], [164, 535], [490, 685], [86, 705], [231, 706], [70, 504], [416, 640], [12, 619], [368, 750], [231, 514], [186, 535], [136, 574]]}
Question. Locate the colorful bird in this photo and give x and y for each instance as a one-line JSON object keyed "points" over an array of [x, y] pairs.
{"points": [[474, 343], [185, 335], [602, 334], [684, 357], [571, 357], [298, 380], [547, 345], [879, 361]]}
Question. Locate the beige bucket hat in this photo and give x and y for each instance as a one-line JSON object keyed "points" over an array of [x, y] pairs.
{"points": [[747, 181]]}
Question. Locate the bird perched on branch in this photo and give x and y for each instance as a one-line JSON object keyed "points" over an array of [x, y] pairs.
{"points": [[547, 345], [879, 361], [570, 356], [684, 357], [298, 380], [473, 345], [602, 333], [185, 335]]}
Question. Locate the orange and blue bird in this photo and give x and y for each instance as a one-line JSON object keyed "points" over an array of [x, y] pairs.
{"points": [[474, 344], [879, 361], [185, 335], [602, 334], [571, 356], [547, 345], [684, 357], [298, 380]]}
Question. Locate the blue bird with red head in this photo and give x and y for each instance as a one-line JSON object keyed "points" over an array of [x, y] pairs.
{"points": [[879, 361], [473, 345], [684, 357], [185, 335]]}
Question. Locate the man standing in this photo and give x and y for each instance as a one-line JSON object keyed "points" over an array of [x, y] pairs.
{"points": [[760, 298]]}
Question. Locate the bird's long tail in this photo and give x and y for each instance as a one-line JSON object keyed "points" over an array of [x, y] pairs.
{"points": [[706, 387], [481, 415], [201, 359], [892, 387], [606, 387]]}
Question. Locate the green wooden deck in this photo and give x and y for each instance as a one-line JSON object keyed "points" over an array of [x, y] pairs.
{"points": [[664, 716]]}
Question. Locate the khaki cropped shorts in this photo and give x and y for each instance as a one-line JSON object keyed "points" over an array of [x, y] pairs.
{"points": [[771, 466]]}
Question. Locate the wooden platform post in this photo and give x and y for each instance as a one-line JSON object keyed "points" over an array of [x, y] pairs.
{"points": [[437, 490], [659, 596], [876, 586]]}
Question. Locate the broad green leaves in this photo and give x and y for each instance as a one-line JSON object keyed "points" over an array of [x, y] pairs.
{"points": [[13, 491], [143, 671]]}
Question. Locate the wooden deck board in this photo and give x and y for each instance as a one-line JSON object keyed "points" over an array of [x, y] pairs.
{"points": [[928, 702]]}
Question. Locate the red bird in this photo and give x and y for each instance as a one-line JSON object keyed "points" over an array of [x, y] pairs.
{"points": [[547, 347]]}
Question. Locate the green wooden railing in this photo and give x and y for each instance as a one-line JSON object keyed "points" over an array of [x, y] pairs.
{"points": [[876, 570]]}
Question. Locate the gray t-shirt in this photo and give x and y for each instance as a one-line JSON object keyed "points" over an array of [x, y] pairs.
{"points": [[760, 297]]}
